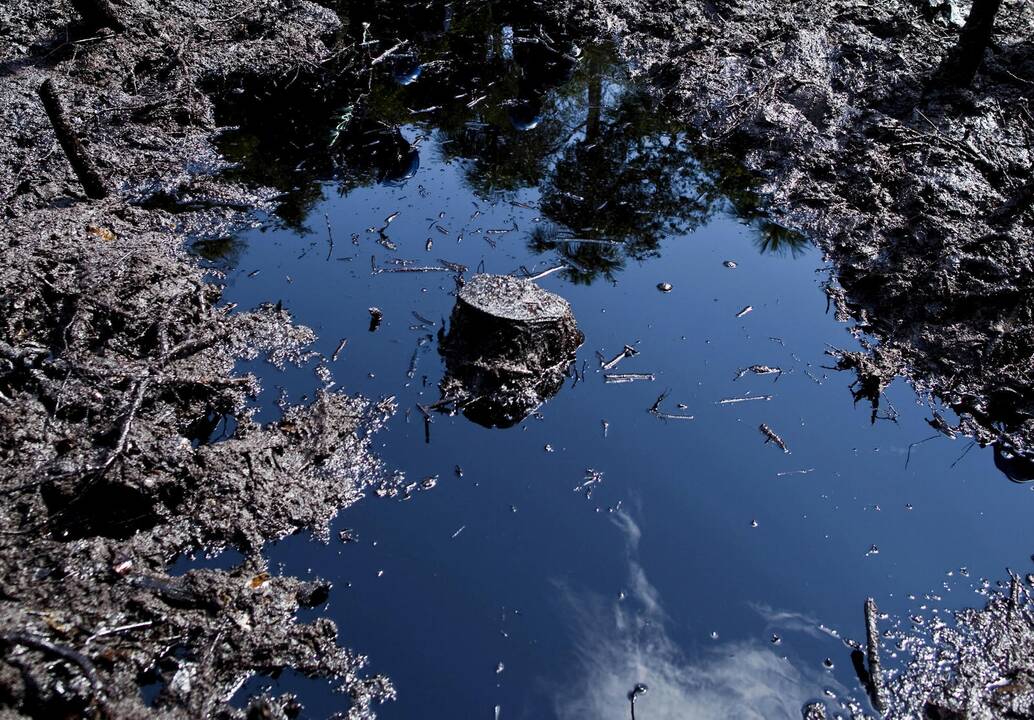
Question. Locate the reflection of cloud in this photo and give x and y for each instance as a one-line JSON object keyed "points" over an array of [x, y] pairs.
{"points": [[793, 621], [622, 643]]}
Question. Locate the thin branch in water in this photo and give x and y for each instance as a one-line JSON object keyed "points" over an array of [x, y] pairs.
{"points": [[544, 273], [388, 53], [627, 352], [337, 351], [743, 399], [330, 237], [965, 452], [656, 411], [908, 456], [628, 377]]}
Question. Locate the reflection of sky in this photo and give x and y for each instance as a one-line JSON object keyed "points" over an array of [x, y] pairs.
{"points": [[622, 642]]}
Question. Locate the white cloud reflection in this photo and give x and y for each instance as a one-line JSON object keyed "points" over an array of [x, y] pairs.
{"points": [[623, 643]]}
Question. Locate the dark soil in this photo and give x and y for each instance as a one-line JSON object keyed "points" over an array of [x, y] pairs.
{"points": [[117, 367]]}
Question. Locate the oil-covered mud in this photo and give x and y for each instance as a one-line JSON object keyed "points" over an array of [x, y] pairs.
{"points": [[128, 432], [117, 368]]}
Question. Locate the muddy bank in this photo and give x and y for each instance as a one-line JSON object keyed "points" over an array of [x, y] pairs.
{"points": [[919, 193], [976, 664], [127, 437]]}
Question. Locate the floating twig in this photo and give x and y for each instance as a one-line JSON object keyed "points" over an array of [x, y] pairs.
{"points": [[388, 53], [330, 237], [908, 455], [591, 481], [770, 436], [628, 377], [544, 273], [416, 269], [629, 351], [422, 319], [337, 351], [759, 370], [656, 411], [743, 399], [454, 266]]}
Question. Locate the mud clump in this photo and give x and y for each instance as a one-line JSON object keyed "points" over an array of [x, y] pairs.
{"points": [[508, 349], [979, 664]]}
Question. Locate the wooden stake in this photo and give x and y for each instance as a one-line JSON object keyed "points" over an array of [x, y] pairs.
{"points": [[84, 169]]}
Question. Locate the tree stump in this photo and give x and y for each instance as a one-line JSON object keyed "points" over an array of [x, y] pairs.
{"points": [[507, 350]]}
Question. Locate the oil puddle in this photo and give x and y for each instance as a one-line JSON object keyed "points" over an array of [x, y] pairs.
{"points": [[688, 524]]}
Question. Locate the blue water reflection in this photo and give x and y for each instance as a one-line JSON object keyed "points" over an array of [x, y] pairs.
{"points": [[510, 591]]}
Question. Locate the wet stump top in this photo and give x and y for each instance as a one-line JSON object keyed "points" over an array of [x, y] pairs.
{"points": [[516, 299]]}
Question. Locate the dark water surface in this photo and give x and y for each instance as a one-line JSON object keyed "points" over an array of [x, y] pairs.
{"points": [[707, 564]]}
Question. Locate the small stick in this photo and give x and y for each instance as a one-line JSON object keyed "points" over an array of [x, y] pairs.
{"points": [[629, 351], [422, 319], [908, 455], [770, 436], [746, 398], [389, 52], [656, 411], [544, 273], [119, 629], [872, 641], [127, 422], [84, 169], [330, 237], [421, 269], [338, 349], [37, 643], [627, 377], [1014, 593]]}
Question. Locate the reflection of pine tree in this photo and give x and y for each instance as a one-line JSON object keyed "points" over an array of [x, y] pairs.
{"points": [[966, 58], [623, 186], [777, 240], [614, 173]]}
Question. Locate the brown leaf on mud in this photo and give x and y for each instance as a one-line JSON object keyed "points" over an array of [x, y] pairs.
{"points": [[105, 234], [259, 580]]}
